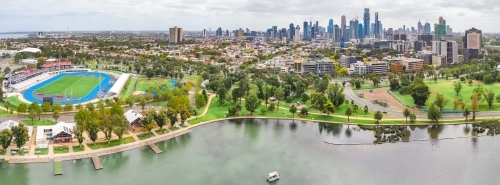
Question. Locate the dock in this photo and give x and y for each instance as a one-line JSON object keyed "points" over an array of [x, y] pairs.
{"points": [[155, 148], [97, 162], [57, 168]]}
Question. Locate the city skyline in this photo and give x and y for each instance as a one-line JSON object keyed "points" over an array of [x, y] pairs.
{"points": [[196, 15]]}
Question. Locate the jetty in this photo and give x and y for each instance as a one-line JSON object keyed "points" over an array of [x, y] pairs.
{"points": [[155, 148], [97, 162], [57, 168]]}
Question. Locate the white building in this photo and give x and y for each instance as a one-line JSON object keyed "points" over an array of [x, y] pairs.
{"points": [[133, 117], [297, 34], [449, 49]]}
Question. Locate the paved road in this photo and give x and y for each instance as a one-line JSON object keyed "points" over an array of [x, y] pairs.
{"points": [[350, 95]]}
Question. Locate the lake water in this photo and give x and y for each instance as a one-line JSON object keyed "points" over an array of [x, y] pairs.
{"points": [[12, 36], [245, 151]]}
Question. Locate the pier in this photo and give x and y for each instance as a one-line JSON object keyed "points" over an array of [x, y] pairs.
{"points": [[155, 148], [97, 162], [57, 168]]}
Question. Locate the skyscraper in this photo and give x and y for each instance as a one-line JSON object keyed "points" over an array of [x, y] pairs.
{"points": [[175, 35], [472, 39], [239, 33], [440, 29], [420, 28], [330, 28], [366, 20], [297, 33], [292, 31], [376, 29], [306, 30], [204, 33], [337, 32], [316, 27], [275, 31], [342, 22], [218, 33], [361, 34], [427, 28]]}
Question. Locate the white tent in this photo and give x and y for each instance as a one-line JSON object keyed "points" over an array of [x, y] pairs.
{"points": [[31, 50]]}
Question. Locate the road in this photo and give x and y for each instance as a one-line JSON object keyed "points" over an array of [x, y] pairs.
{"points": [[350, 95]]}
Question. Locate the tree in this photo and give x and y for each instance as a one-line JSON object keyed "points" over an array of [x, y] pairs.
{"points": [[78, 132], [406, 113], [55, 115], [279, 94], [457, 86], [7, 105], [149, 73], [5, 138], [474, 105], [199, 100], [466, 113], [304, 97], [335, 93], [440, 101], [68, 106], [57, 107], [304, 112], [22, 108], [79, 106], [329, 108], [394, 83], [32, 115], [413, 118], [120, 125], [20, 135], [322, 86], [293, 110], [237, 94], [456, 103], [46, 107], [130, 102], [143, 103], [378, 116], [366, 109], [148, 120], [420, 92], [92, 129], [90, 106], [222, 94], [204, 92], [434, 114], [160, 118], [489, 95], [252, 102], [106, 125], [348, 113]]}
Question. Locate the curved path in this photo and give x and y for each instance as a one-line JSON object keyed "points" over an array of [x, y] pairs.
{"points": [[350, 95]]}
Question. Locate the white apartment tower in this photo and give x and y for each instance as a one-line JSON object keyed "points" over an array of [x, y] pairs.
{"points": [[297, 34]]}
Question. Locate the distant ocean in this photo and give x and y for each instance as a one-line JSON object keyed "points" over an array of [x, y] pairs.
{"points": [[12, 36]]}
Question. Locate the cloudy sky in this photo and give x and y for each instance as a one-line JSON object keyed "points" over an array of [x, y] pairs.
{"points": [[58, 15]]}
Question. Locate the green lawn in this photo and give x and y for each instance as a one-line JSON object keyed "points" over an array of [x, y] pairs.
{"points": [[130, 87], [446, 88], [14, 100], [41, 151], [162, 131], [61, 150], [37, 122], [143, 84], [81, 85], [112, 143], [145, 136], [78, 149]]}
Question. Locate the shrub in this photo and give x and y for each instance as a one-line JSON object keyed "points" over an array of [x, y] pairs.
{"points": [[488, 79], [289, 99], [498, 98], [263, 111], [462, 79], [272, 107]]}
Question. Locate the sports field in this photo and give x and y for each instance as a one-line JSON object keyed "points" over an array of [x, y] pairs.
{"points": [[81, 85]]}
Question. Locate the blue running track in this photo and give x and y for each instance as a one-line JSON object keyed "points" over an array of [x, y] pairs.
{"points": [[105, 85]]}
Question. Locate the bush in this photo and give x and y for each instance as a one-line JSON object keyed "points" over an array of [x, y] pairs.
{"points": [[487, 79], [462, 79], [498, 98], [263, 111], [272, 107], [289, 99]]}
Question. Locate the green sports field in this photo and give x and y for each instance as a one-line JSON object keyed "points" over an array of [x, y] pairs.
{"points": [[81, 85]]}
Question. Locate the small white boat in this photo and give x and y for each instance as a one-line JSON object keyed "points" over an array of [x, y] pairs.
{"points": [[273, 176]]}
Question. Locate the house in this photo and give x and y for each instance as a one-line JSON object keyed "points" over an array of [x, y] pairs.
{"points": [[133, 117], [61, 133], [8, 124]]}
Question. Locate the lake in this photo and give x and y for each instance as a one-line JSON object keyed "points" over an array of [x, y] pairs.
{"points": [[244, 151]]}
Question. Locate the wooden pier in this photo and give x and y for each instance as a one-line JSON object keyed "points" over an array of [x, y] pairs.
{"points": [[155, 148], [57, 168], [97, 162]]}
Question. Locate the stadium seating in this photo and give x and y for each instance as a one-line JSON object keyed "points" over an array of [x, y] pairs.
{"points": [[30, 82]]}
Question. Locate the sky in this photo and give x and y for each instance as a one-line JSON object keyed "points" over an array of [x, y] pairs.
{"points": [[259, 15]]}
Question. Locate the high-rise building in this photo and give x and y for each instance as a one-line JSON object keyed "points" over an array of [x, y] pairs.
{"points": [[275, 31], [297, 33], [239, 33], [449, 49], [361, 33], [306, 31], [366, 20], [316, 27], [427, 28], [269, 33], [353, 28], [449, 31], [342, 22], [330, 28], [420, 28], [472, 39], [175, 35], [313, 32], [440, 29], [377, 26], [292, 31], [218, 32], [337, 33], [204, 33]]}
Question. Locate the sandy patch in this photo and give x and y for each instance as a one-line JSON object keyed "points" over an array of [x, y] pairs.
{"points": [[138, 92], [381, 94]]}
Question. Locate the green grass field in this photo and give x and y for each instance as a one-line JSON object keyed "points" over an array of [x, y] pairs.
{"points": [[445, 87], [143, 84], [81, 85]]}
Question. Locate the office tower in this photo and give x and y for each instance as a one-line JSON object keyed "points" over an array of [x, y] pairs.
{"points": [[313, 32], [316, 27], [337, 33], [330, 28], [427, 28], [239, 33], [297, 33], [342, 22], [420, 28], [377, 26], [269, 33], [275, 31], [472, 39], [218, 33], [204, 33], [366, 20], [449, 49], [247, 30], [175, 35], [306, 31], [361, 33], [413, 31], [292, 31], [282, 33], [440, 29], [449, 31]]}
